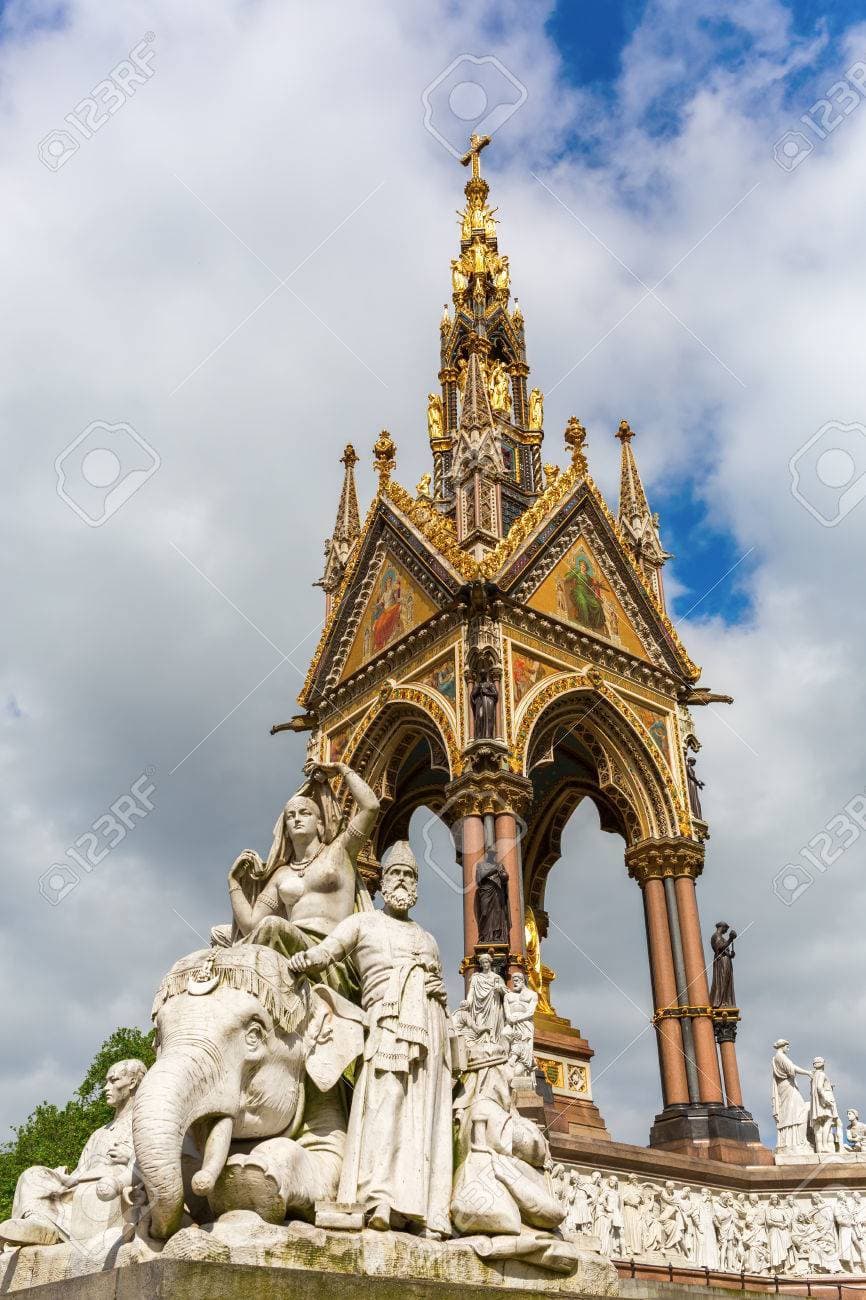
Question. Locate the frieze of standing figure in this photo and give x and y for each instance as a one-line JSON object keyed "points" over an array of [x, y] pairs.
{"points": [[794, 1234]]}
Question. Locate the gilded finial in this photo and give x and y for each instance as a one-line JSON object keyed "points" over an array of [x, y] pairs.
{"points": [[476, 144], [575, 440], [384, 456], [349, 457], [445, 323], [551, 474], [625, 432]]}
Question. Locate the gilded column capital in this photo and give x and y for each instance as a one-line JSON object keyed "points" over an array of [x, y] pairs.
{"points": [[725, 1021], [477, 793], [668, 856]]}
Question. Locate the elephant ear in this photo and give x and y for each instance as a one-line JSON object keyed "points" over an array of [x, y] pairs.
{"points": [[335, 1036]]}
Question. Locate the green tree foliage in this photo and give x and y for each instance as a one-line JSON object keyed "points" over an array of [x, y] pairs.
{"points": [[55, 1135]]}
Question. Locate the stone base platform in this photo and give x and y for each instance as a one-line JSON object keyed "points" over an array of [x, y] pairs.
{"points": [[176, 1279], [243, 1257]]}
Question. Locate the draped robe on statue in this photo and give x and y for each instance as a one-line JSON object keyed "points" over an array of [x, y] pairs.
{"points": [[790, 1109], [398, 1149]]}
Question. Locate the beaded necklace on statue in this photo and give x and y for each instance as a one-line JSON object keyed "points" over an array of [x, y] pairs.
{"points": [[300, 867]]}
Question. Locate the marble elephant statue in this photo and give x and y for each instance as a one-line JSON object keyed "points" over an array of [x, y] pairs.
{"points": [[244, 1107]]}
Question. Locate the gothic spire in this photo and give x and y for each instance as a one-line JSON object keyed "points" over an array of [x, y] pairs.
{"points": [[640, 525], [476, 415], [484, 326], [346, 528]]}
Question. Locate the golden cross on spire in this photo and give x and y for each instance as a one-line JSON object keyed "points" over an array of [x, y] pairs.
{"points": [[476, 144]]}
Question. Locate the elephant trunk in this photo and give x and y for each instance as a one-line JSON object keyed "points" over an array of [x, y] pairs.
{"points": [[186, 1084]]}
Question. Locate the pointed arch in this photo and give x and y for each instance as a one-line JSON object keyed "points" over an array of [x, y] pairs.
{"points": [[406, 746]]}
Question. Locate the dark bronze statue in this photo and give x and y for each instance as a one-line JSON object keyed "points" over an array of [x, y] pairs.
{"points": [[484, 698], [491, 900], [695, 785], [722, 944]]}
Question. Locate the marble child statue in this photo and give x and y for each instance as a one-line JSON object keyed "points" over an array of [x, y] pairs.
{"points": [[398, 1158], [309, 882], [51, 1205]]}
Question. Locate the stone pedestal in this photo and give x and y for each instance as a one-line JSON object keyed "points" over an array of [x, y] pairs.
{"points": [[563, 1056], [710, 1131], [242, 1258]]}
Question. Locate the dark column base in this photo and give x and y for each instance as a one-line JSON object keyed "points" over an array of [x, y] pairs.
{"points": [[710, 1130]]}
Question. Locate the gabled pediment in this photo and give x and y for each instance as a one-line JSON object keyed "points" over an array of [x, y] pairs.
{"points": [[396, 580], [574, 564], [395, 606], [578, 591]]}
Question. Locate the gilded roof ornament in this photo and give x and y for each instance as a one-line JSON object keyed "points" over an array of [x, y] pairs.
{"points": [[476, 144], [575, 440], [384, 456]]}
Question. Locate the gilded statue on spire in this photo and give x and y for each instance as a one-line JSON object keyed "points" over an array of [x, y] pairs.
{"points": [[536, 409], [499, 388], [434, 416]]}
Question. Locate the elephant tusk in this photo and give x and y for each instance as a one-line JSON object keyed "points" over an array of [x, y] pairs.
{"points": [[215, 1152]]}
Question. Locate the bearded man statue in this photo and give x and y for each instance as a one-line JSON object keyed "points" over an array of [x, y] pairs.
{"points": [[398, 1161]]}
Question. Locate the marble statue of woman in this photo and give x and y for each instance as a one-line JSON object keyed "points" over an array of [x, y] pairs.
{"points": [[790, 1109], [309, 883], [485, 996], [609, 1218]]}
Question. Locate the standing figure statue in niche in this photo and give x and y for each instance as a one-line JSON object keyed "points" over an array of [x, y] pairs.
{"points": [[398, 1159], [722, 943], [434, 416], [695, 786], [491, 900], [484, 699]]}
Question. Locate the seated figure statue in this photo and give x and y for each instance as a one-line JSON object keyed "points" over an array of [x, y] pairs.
{"points": [[51, 1205], [309, 882], [503, 1153]]}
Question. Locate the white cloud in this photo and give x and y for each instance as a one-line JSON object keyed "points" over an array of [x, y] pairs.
{"points": [[301, 129]]}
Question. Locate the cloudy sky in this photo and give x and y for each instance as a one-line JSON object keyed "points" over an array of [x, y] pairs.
{"points": [[244, 262]]}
